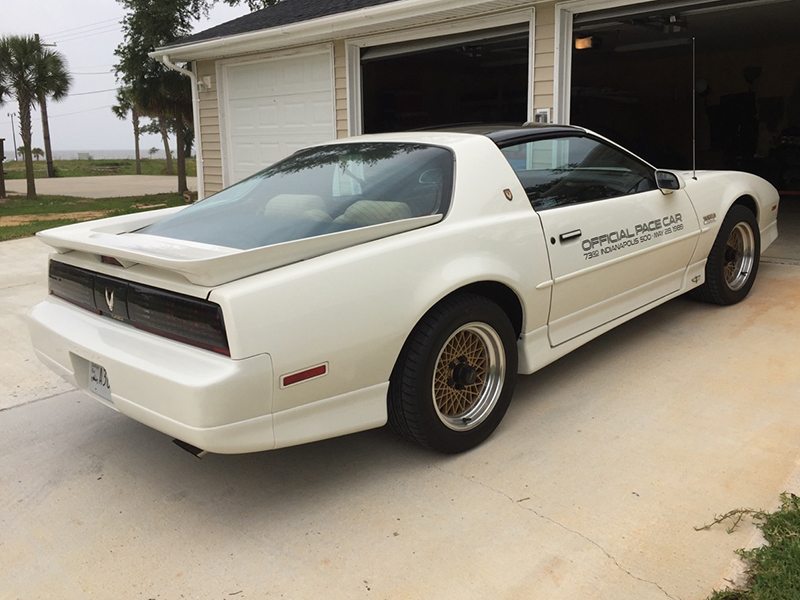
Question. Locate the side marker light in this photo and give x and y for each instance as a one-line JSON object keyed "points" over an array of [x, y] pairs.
{"points": [[304, 375]]}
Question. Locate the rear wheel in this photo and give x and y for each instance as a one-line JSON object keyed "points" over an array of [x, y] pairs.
{"points": [[733, 261], [455, 376]]}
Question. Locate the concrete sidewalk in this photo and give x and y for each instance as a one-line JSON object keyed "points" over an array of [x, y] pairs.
{"points": [[106, 186], [23, 283], [590, 488]]}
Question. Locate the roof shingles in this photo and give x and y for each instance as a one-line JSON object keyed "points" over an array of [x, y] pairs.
{"points": [[285, 12]]}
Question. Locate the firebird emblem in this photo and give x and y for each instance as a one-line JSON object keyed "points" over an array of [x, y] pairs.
{"points": [[110, 299]]}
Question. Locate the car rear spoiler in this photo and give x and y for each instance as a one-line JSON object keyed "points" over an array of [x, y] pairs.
{"points": [[205, 264]]}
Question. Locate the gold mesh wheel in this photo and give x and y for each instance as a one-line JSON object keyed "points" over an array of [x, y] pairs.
{"points": [[468, 376], [739, 256]]}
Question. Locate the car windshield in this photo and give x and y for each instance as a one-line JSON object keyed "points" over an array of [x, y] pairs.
{"points": [[317, 191]]}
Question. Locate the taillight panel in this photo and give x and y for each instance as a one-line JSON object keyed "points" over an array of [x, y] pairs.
{"points": [[178, 317], [174, 316]]}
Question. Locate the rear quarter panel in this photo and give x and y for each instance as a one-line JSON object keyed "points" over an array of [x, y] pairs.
{"points": [[354, 308]]}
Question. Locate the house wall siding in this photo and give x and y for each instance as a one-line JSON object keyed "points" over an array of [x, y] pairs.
{"points": [[209, 129], [544, 55], [340, 87]]}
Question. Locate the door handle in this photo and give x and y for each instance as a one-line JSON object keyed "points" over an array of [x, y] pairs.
{"points": [[570, 235]]}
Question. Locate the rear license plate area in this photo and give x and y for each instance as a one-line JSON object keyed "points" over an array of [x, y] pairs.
{"points": [[98, 381]]}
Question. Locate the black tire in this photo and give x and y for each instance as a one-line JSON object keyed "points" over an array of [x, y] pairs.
{"points": [[733, 261], [443, 399]]}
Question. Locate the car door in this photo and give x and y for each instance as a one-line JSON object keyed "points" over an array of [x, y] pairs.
{"points": [[615, 241]]}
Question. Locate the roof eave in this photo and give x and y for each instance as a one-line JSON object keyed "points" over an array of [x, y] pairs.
{"points": [[304, 32]]}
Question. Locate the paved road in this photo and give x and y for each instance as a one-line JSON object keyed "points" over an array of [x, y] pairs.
{"points": [[590, 488], [108, 186]]}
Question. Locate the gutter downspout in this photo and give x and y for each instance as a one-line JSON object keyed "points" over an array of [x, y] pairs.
{"points": [[201, 188]]}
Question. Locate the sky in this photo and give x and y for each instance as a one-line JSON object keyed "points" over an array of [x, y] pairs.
{"points": [[86, 32]]}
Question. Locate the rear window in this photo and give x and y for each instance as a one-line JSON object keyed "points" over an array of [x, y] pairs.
{"points": [[319, 191]]}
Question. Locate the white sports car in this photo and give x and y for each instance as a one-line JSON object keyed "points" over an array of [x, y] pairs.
{"points": [[401, 277]]}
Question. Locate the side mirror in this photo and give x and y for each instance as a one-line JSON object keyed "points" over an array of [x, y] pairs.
{"points": [[668, 182]]}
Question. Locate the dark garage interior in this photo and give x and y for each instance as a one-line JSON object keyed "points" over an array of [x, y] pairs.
{"points": [[632, 81], [634, 84], [447, 81]]}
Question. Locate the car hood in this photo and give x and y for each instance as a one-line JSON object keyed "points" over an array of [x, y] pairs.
{"points": [[205, 264]]}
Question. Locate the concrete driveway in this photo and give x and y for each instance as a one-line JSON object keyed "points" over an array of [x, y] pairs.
{"points": [[591, 488], [107, 186]]}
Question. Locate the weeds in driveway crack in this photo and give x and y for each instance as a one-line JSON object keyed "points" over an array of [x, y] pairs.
{"points": [[772, 570], [521, 504], [736, 515]]}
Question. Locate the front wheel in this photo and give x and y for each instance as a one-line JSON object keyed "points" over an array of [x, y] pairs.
{"points": [[733, 261], [455, 376]]}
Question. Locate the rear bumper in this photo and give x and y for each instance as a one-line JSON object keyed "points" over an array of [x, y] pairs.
{"points": [[210, 401]]}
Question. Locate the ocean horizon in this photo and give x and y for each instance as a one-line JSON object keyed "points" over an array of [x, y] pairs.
{"points": [[99, 154]]}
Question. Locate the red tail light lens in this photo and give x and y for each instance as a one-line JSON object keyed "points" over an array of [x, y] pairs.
{"points": [[73, 285], [177, 317], [174, 316]]}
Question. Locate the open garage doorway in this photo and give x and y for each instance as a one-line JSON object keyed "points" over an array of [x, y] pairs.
{"points": [[632, 81], [479, 77]]}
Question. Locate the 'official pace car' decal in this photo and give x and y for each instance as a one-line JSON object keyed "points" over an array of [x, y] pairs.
{"points": [[628, 237]]}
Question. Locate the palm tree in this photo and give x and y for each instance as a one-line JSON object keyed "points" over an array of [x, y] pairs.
{"points": [[126, 103], [54, 82], [18, 57], [31, 73]]}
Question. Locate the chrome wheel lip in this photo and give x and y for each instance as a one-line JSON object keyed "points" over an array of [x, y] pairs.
{"points": [[492, 383], [740, 256]]}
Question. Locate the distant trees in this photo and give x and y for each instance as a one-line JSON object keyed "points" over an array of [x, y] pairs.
{"points": [[55, 84], [37, 152], [160, 92], [30, 73], [159, 126], [126, 103]]}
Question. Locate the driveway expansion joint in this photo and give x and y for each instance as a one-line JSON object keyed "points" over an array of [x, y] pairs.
{"points": [[19, 285], [781, 261], [519, 503], [35, 400]]}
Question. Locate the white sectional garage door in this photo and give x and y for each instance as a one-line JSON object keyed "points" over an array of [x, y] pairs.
{"points": [[273, 107]]}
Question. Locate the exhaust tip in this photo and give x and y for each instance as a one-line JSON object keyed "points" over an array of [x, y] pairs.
{"points": [[193, 450]]}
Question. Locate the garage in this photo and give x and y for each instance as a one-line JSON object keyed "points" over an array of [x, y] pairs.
{"points": [[637, 77], [633, 64], [274, 106], [477, 77]]}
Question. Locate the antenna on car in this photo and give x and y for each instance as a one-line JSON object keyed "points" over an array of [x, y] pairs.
{"points": [[694, 111]]}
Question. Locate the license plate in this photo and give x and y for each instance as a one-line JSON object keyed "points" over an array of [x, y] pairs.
{"points": [[98, 381]]}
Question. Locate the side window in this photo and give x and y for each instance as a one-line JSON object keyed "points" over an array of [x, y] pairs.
{"points": [[569, 170]]}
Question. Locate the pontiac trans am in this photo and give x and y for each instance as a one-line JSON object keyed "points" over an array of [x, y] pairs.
{"points": [[401, 277]]}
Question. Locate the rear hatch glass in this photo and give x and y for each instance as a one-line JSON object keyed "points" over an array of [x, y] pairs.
{"points": [[318, 191]]}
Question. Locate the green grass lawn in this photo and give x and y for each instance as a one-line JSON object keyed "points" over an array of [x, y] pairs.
{"points": [[90, 168], [773, 569], [20, 217]]}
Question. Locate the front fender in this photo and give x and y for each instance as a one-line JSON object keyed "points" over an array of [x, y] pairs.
{"points": [[714, 192]]}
